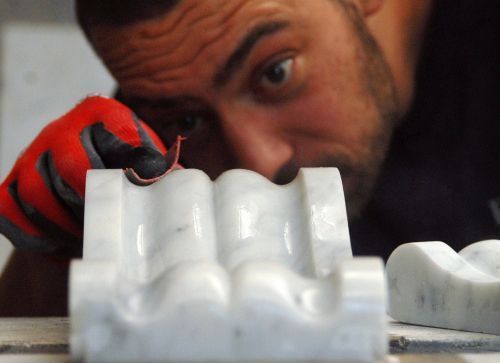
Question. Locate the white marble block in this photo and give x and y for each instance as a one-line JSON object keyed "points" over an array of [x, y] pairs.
{"points": [[430, 284], [238, 269]]}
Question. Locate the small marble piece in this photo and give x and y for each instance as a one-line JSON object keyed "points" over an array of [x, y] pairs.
{"points": [[430, 284], [238, 269]]}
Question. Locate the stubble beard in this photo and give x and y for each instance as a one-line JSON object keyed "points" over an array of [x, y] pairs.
{"points": [[359, 176]]}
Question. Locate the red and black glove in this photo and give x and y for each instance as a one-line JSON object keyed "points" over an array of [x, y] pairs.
{"points": [[41, 201]]}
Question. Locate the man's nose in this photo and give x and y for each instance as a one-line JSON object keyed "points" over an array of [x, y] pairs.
{"points": [[257, 142]]}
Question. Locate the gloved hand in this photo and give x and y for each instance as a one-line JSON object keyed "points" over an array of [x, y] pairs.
{"points": [[41, 201]]}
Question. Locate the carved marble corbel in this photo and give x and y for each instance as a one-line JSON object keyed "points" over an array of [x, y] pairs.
{"points": [[430, 284], [238, 269]]}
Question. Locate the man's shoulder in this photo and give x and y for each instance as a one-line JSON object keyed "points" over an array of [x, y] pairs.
{"points": [[441, 178]]}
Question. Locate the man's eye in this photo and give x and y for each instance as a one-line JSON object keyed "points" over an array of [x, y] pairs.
{"points": [[188, 124], [277, 74]]}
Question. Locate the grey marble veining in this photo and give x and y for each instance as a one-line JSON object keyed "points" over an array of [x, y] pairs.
{"points": [[236, 269], [430, 284]]}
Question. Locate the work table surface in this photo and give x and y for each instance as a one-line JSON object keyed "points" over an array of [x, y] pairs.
{"points": [[47, 340]]}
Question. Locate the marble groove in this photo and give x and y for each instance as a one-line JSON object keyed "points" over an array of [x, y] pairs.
{"points": [[430, 284]]}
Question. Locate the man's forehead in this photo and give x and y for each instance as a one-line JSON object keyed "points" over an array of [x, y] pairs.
{"points": [[207, 19], [202, 32], [189, 14], [228, 8]]}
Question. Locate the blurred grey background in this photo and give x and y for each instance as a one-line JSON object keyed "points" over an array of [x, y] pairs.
{"points": [[46, 67]]}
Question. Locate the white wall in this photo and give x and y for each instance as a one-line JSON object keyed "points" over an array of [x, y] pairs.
{"points": [[46, 68]]}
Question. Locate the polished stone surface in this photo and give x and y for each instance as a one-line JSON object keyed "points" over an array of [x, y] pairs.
{"points": [[235, 269], [430, 284], [28, 336]]}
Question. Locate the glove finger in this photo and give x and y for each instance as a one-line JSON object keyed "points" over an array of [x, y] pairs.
{"points": [[16, 227], [35, 193], [88, 144], [59, 239], [172, 160], [148, 131], [147, 162], [154, 138], [148, 136], [66, 195]]}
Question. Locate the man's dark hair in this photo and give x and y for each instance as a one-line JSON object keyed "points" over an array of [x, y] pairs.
{"points": [[119, 12]]}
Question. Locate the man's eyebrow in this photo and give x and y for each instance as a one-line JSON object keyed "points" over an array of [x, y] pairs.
{"points": [[238, 56], [163, 102]]}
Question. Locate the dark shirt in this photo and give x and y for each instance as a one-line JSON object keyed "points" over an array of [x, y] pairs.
{"points": [[441, 180]]}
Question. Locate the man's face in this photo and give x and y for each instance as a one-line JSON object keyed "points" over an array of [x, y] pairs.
{"points": [[265, 85]]}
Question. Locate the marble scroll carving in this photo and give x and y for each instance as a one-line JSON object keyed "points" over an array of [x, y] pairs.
{"points": [[430, 284], [238, 269]]}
